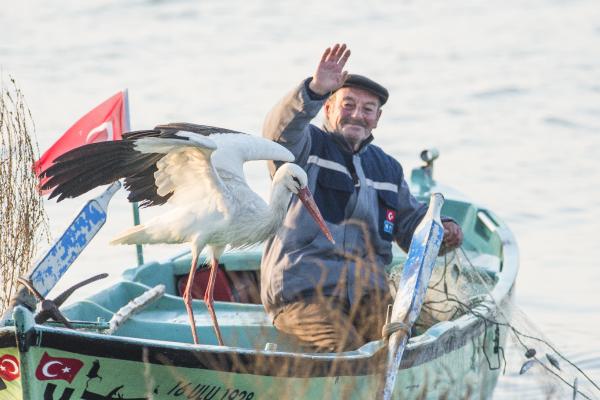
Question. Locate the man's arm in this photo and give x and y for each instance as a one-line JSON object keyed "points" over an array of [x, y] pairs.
{"points": [[410, 213], [288, 122]]}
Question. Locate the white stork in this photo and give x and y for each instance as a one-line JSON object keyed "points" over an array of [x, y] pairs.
{"points": [[199, 171]]}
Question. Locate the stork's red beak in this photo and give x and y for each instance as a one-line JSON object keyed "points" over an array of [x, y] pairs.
{"points": [[306, 198]]}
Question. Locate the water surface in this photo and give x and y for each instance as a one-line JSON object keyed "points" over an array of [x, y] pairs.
{"points": [[509, 92]]}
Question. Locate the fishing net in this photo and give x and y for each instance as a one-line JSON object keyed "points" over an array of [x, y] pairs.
{"points": [[529, 364]]}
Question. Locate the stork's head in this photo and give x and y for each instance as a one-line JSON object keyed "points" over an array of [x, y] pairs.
{"points": [[295, 180], [292, 177]]}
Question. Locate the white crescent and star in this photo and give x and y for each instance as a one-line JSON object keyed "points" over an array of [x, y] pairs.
{"points": [[45, 369], [105, 129], [10, 362]]}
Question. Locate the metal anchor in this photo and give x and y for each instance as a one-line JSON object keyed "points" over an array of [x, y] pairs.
{"points": [[48, 309]]}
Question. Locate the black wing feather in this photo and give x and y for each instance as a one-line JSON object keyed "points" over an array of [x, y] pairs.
{"points": [[141, 134], [174, 127], [61, 172], [87, 167], [142, 188], [86, 180]]}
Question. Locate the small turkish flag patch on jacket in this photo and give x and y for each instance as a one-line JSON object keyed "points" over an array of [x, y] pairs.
{"points": [[53, 368], [388, 224], [390, 215]]}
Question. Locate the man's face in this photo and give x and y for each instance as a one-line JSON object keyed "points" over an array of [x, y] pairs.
{"points": [[354, 113]]}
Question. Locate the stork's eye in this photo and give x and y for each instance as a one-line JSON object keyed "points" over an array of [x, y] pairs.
{"points": [[297, 181]]}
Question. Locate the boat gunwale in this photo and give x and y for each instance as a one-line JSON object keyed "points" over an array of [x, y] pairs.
{"points": [[439, 339], [364, 361]]}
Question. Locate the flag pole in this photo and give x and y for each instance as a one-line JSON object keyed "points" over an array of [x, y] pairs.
{"points": [[135, 206]]}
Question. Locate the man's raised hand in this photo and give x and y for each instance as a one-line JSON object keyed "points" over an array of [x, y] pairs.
{"points": [[330, 74]]}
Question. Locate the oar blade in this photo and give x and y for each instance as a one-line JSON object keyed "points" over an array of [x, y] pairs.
{"points": [[414, 280]]}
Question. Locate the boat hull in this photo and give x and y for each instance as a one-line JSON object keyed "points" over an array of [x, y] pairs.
{"points": [[105, 367]]}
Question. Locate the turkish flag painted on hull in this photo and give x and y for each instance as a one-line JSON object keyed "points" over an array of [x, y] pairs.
{"points": [[105, 122], [54, 368], [9, 367]]}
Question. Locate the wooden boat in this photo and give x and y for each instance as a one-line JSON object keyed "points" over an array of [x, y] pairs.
{"points": [[151, 355]]}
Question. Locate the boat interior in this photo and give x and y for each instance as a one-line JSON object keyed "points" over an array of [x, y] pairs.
{"points": [[242, 319]]}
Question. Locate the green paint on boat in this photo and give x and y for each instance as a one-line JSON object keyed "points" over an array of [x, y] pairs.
{"points": [[151, 355]]}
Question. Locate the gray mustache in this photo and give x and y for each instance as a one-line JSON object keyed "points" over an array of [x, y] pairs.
{"points": [[353, 122]]}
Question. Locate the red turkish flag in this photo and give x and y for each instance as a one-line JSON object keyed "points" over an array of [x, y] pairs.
{"points": [[105, 122], [9, 367], [53, 368]]}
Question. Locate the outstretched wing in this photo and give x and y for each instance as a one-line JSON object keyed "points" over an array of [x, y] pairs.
{"points": [[143, 186], [235, 148], [134, 158], [96, 164]]}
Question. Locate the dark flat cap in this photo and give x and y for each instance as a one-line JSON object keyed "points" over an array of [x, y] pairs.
{"points": [[362, 82]]}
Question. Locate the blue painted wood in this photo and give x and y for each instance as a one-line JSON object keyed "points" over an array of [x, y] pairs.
{"points": [[412, 286], [71, 243]]}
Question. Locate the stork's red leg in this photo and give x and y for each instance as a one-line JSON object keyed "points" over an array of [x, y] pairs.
{"points": [[208, 298], [187, 298]]}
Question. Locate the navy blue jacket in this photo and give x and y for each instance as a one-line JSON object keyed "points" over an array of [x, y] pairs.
{"points": [[362, 196]]}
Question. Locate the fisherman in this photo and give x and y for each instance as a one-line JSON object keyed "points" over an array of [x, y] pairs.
{"points": [[333, 297]]}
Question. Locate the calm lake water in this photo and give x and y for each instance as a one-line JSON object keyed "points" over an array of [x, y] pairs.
{"points": [[509, 92]]}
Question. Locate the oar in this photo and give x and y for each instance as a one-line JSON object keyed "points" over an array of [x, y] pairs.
{"points": [[416, 273], [71, 243]]}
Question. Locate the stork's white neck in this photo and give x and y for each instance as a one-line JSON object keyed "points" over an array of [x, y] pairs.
{"points": [[278, 204], [287, 177]]}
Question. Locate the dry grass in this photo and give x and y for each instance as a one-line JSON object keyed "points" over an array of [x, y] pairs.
{"points": [[23, 221]]}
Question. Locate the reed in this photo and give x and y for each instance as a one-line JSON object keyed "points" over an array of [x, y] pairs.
{"points": [[23, 221]]}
